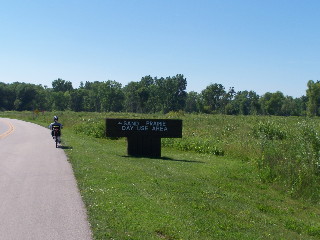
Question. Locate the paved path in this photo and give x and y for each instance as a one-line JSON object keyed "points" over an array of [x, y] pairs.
{"points": [[39, 198]]}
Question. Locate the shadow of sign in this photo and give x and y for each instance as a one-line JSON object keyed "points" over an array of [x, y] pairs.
{"points": [[66, 147], [168, 159]]}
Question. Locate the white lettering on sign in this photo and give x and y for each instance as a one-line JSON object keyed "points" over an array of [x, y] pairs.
{"points": [[142, 128], [127, 128], [134, 128], [130, 123], [131, 126], [159, 129], [157, 124]]}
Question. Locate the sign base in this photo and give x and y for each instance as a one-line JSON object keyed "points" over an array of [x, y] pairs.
{"points": [[144, 146]]}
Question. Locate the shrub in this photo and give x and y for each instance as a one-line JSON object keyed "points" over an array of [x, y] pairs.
{"points": [[291, 157], [195, 145], [269, 130], [91, 127]]}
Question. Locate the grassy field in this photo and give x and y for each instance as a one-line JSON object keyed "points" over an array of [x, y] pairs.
{"points": [[229, 177]]}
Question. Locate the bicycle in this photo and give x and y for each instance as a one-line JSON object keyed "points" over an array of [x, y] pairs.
{"points": [[56, 134]]}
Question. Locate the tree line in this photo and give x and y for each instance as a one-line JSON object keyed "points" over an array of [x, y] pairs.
{"points": [[153, 95]]}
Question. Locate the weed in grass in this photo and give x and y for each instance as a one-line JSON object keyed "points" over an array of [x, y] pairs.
{"points": [[269, 130]]}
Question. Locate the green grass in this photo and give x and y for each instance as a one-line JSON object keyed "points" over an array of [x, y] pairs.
{"points": [[185, 194], [182, 196]]}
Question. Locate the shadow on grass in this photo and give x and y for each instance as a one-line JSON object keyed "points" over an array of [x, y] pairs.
{"points": [[66, 147], [164, 159]]}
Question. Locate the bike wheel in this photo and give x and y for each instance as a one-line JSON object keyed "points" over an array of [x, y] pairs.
{"points": [[56, 138]]}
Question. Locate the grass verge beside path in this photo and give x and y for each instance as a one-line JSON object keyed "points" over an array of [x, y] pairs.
{"points": [[181, 196]]}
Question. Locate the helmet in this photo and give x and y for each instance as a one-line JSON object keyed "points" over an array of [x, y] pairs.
{"points": [[55, 118]]}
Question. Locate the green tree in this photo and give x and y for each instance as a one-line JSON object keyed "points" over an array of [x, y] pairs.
{"points": [[77, 99], [292, 106], [111, 96], [171, 93], [25, 97], [103, 96], [146, 94], [313, 94], [41, 102], [61, 85], [213, 97], [7, 97], [193, 102], [61, 101], [92, 101], [227, 99], [271, 103], [244, 103], [132, 98]]}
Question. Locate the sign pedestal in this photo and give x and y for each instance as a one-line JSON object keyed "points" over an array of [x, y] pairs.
{"points": [[140, 146]]}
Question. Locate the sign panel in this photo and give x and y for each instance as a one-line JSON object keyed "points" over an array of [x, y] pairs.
{"points": [[166, 128]]}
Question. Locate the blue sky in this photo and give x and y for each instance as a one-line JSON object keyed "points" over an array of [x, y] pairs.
{"points": [[264, 46]]}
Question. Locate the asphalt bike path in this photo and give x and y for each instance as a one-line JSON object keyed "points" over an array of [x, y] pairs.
{"points": [[39, 197]]}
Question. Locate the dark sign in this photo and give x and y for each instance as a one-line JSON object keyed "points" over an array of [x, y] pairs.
{"points": [[163, 128]]}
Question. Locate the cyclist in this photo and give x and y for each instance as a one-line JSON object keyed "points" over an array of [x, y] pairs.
{"points": [[54, 125]]}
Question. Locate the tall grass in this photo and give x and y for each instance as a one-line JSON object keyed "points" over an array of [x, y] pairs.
{"points": [[290, 154]]}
